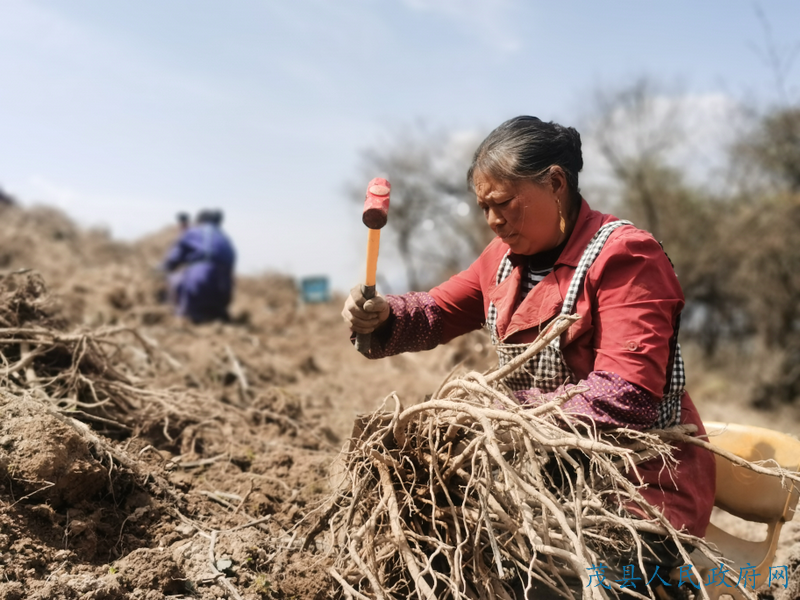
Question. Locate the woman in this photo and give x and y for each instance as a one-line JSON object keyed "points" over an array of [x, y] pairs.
{"points": [[554, 254]]}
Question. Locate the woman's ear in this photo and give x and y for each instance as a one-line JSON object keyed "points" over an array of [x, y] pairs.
{"points": [[558, 180]]}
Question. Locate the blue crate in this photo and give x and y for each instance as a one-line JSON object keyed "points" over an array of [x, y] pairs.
{"points": [[315, 289]]}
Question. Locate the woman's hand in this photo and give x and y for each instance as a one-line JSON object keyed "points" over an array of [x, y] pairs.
{"points": [[365, 316]]}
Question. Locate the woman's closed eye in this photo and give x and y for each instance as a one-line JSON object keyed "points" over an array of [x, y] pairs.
{"points": [[495, 204]]}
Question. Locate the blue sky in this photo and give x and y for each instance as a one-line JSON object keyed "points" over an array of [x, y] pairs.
{"points": [[123, 113]]}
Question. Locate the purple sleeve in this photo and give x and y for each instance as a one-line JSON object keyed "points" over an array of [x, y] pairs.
{"points": [[188, 248], [609, 401], [415, 324], [175, 257]]}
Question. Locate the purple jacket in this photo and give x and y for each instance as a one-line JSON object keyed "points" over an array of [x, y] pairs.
{"points": [[202, 290]]}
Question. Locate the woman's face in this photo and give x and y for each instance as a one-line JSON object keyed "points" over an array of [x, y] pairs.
{"points": [[524, 214]]}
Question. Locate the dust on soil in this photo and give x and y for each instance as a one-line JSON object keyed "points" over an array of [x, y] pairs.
{"points": [[144, 458]]}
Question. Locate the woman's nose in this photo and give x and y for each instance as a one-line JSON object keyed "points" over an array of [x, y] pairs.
{"points": [[493, 218]]}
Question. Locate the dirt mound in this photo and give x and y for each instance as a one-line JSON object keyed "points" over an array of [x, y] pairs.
{"points": [[59, 468], [141, 457]]}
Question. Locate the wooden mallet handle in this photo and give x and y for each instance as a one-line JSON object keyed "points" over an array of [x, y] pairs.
{"points": [[376, 213]]}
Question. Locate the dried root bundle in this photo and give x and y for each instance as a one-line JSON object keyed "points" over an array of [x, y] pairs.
{"points": [[123, 383], [106, 377], [83, 371], [469, 495]]}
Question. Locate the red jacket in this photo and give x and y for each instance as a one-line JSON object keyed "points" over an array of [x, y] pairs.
{"points": [[629, 305]]}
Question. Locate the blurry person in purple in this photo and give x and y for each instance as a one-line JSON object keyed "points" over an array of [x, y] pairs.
{"points": [[200, 266]]}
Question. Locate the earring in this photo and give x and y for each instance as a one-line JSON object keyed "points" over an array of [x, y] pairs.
{"points": [[562, 224]]}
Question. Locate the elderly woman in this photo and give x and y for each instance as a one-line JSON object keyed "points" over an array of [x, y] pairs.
{"points": [[554, 254]]}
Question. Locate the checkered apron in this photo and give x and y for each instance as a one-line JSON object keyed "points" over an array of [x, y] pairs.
{"points": [[547, 370]]}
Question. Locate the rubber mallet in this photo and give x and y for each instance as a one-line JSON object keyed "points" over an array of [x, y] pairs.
{"points": [[376, 213]]}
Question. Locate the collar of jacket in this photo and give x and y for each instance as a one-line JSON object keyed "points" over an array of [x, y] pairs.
{"points": [[546, 299]]}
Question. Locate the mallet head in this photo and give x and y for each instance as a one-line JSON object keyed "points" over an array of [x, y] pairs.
{"points": [[376, 206]]}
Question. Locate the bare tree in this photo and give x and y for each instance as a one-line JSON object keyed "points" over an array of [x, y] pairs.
{"points": [[763, 236], [762, 231], [778, 59], [637, 130], [770, 152], [434, 223], [634, 130]]}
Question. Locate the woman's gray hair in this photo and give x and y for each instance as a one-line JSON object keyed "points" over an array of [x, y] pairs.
{"points": [[526, 148]]}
